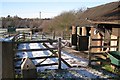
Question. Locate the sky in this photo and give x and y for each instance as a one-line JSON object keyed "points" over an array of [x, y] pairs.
{"points": [[47, 8]]}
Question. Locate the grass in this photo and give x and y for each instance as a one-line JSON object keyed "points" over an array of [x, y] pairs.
{"points": [[108, 68]]}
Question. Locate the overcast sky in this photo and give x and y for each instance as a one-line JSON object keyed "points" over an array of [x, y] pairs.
{"points": [[48, 8]]}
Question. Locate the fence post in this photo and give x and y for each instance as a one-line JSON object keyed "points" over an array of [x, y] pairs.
{"points": [[6, 60], [89, 52], [118, 43], [74, 37], [59, 53], [0, 60], [31, 34], [23, 36], [62, 34], [53, 35]]}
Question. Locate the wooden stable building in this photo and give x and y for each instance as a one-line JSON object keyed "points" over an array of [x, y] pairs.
{"points": [[109, 31], [101, 22]]}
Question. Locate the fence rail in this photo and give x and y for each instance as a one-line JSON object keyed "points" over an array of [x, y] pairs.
{"points": [[103, 39], [39, 65], [29, 50], [33, 58], [40, 41], [103, 46]]}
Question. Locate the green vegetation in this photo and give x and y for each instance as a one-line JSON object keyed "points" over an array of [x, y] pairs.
{"points": [[108, 68]]}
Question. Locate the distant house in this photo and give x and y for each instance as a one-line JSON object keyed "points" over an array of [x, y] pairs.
{"points": [[103, 19]]}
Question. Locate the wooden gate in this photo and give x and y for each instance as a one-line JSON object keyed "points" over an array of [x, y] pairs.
{"points": [[55, 50]]}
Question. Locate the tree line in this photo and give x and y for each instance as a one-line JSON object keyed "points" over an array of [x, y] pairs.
{"points": [[63, 21]]}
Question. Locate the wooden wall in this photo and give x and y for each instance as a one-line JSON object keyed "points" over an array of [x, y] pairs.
{"points": [[116, 31]]}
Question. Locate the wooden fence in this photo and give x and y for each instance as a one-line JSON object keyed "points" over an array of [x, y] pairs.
{"points": [[64, 35], [103, 53], [41, 49], [8, 57]]}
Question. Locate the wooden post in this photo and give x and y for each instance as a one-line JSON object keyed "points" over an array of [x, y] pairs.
{"points": [[89, 52], [59, 53], [84, 31], [31, 35], [23, 36], [118, 43], [1, 61], [78, 31], [42, 35], [6, 60], [63, 35], [53, 35], [74, 37]]}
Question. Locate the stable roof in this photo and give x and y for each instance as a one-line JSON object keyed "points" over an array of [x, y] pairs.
{"points": [[106, 13]]}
